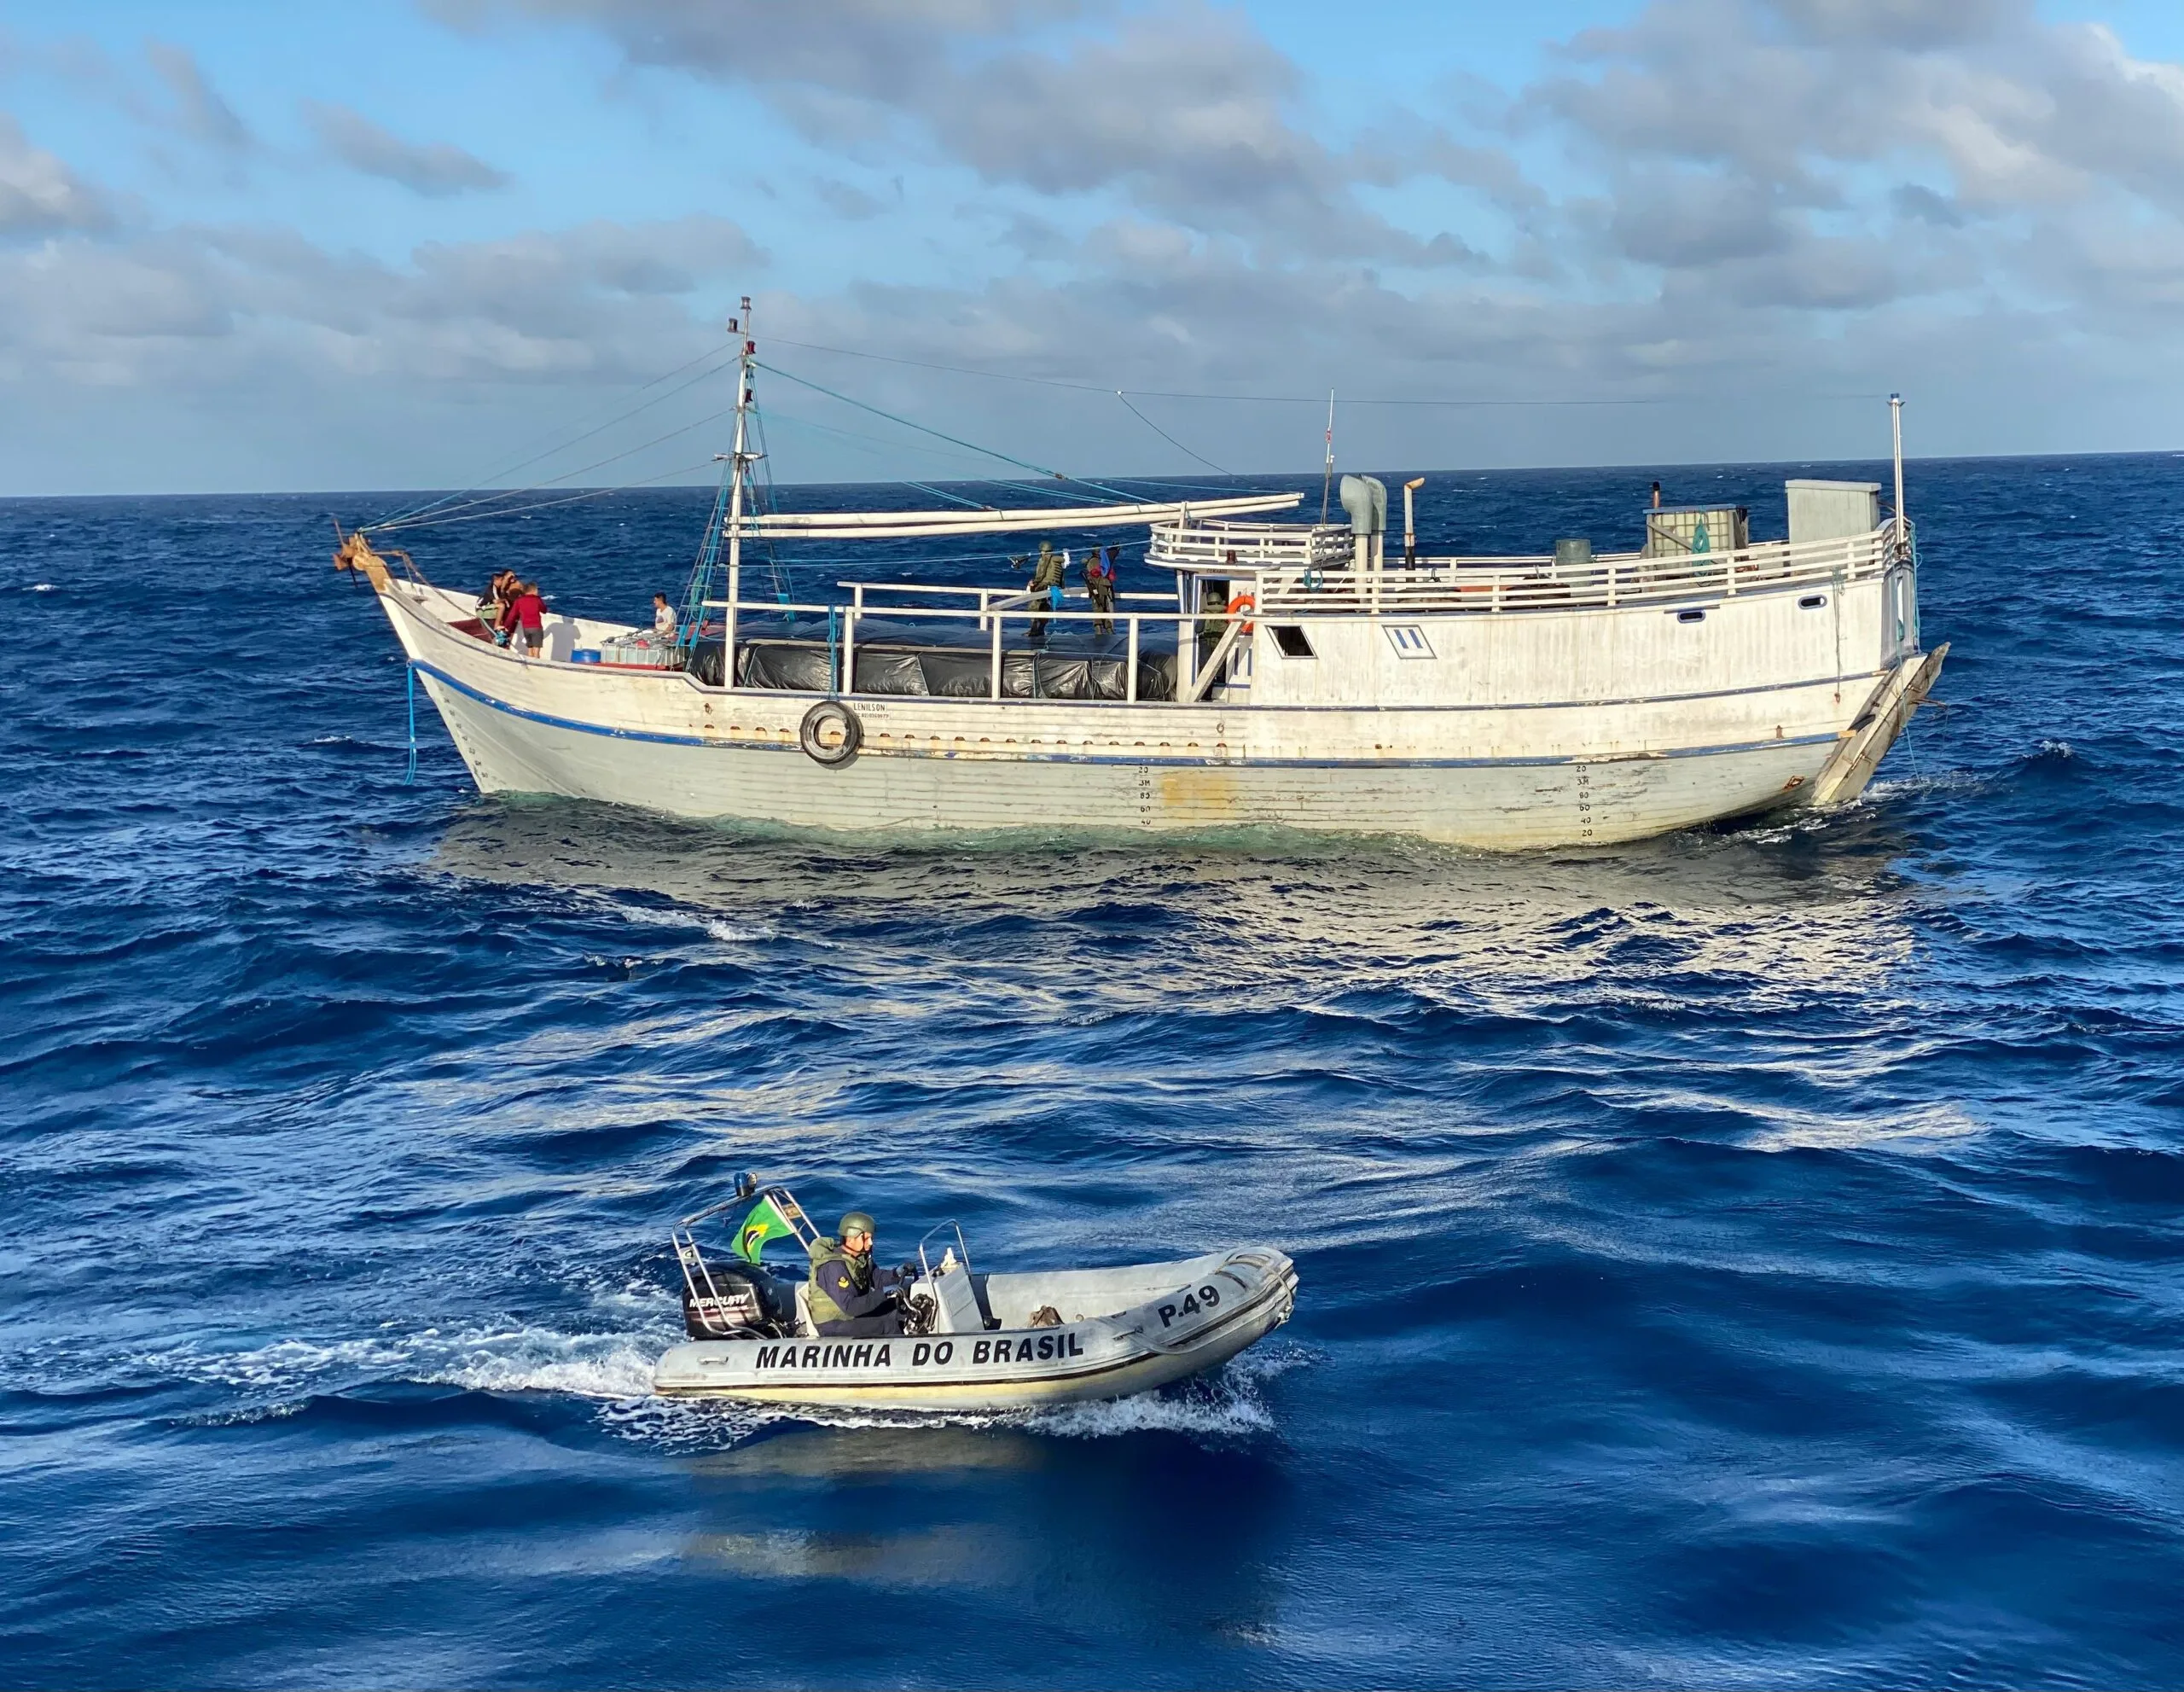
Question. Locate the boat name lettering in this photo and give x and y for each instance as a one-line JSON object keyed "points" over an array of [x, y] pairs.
{"points": [[825, 1357], [1205, 1299], [924, 1352], [1044, 1349]]}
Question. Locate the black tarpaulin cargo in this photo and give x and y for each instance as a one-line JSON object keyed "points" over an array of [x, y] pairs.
{"points": [[797, 666], [889, 670], [937, 671], [957, 674]]}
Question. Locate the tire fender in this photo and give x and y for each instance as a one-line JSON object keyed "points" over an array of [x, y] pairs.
{"points": [[831, 734]]}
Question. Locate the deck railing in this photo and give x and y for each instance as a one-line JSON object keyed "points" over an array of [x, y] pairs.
{"points": [[1433, 586], [1215, 548], [1444, 586], [995, 612], [1310, 572]]}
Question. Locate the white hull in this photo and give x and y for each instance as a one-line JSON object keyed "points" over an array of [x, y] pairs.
{"points": [[1502, 805], [1501, 777]]}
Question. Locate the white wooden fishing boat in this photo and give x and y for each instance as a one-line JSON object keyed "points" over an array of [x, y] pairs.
{"points": [[976, 1342], [1296, 677]]}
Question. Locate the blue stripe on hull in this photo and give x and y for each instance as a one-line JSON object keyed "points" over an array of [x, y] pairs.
{"points": [[1133, 758]]}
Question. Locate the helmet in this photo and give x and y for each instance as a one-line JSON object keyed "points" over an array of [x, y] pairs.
{"points": [[857, 1222]]}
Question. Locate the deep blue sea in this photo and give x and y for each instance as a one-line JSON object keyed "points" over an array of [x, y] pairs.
{"points": [[1749, 1259]]}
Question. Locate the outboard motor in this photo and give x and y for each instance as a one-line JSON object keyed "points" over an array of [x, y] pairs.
{"points": [[737, 1302]]}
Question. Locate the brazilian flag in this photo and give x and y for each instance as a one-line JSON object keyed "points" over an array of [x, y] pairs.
{"points": [[765, 1222]]}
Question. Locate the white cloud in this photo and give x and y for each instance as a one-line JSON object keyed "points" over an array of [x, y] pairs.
{"points": [[1745, 195], [1184, 110], [198, 112], [39, 194], [218, 308], [435, 170]]}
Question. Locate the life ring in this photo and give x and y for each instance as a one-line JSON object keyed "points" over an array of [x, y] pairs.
{"points": [[1243, 602], [847, 734]]}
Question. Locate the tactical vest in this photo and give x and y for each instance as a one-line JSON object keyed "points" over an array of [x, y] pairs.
{"points": [[823, 1307]]}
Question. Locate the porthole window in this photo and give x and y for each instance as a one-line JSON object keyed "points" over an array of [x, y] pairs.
{"points": [[1812, 602], [1691, 616]]}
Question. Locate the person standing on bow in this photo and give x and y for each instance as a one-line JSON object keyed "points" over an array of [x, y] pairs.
{"points": [[1046, 586], [526, 622], [1099, 587], [850, 1298]]}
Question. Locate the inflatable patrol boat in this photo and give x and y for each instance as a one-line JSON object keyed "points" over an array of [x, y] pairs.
{"points": [[973, 1342]]}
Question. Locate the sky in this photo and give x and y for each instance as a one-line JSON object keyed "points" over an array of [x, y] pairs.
{"points": [[440, 243]]}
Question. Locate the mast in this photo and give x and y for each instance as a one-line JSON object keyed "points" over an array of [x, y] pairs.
{"points": [[1327, 480], [737, 469], [1896, 422]]}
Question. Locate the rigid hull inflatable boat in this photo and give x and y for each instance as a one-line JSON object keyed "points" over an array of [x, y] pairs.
{"points": [[979, 1342]]}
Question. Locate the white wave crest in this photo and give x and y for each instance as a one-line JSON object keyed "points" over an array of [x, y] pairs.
{"points": [[521, 1359], [1226, 1405], [284, 1366], [615, 1367], [674, 917]]}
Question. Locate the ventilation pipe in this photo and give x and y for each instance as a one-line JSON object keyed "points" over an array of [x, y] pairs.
{"points": [[1366, 499]]}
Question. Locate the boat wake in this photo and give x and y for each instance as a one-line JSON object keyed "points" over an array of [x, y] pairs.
{"points": [[612, 1371], [608, 1368], [1223, 1407]]}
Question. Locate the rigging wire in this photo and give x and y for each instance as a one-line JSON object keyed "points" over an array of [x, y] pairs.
{"points": [[525, 463], [1046, 492], [1303, 398], [774, 568], [701, 570], [927, 365], [892, 445], [566, 499], [433, 520], [938, 434], [1020, 464], [943, 493], [1494, 404], [1165, 436]]}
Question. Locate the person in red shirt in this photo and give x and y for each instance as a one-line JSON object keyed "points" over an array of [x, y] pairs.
{"points": [[526, 622]]}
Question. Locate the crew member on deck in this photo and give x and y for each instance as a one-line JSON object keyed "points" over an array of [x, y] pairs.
{"points": [[663, 620], [526, 622], [849, 1298], [1100, 586], [1046, 577], [493, 603]]}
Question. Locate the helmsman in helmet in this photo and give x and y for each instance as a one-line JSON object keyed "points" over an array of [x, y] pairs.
{"points": [[849, 1297]]}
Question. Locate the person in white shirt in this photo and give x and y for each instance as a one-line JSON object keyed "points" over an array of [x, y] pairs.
{"points": [[663, 620]]}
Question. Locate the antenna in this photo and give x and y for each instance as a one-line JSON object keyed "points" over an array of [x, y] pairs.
{"points": [[1896, 422], [1326, 482]]}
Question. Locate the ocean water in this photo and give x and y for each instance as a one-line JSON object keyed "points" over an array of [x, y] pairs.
{"points": [[1747, 1258]]}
